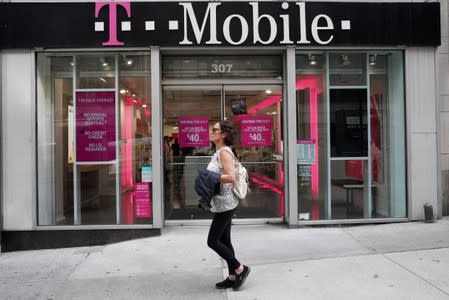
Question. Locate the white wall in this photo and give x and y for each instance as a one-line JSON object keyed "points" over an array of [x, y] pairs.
{"points": [[443, 87], [19, 171], [421, 107]]}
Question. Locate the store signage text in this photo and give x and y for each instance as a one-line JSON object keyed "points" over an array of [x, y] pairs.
{"points": [[95, 126], [193, 131], [233, 39], [221, 68], [199, 25], [256, 131]]}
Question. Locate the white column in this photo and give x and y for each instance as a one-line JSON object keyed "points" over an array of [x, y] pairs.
{"points": [[156, 133], [19, 143], [292, 169], [421, 107]]}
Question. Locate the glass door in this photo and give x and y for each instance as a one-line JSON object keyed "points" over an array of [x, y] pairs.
{"points": [[188, 114], [256, 112]]}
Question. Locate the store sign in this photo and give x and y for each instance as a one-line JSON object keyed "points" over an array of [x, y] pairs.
{"points": [[305, 152], [142, 200], [193, 132], [256, 131], [147, 173], [95, 126], [133, 24]]}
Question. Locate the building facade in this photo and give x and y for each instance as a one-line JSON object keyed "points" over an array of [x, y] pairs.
{"points": [[107, 107]]}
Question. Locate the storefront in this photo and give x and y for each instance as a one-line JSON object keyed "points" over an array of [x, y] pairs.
{"points": [[107, 109]]}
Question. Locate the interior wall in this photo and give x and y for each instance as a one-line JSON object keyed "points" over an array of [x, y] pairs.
{"points": [[18, 114]]}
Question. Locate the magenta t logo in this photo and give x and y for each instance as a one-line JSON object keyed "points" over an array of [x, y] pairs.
{"points": [[112, 19]]}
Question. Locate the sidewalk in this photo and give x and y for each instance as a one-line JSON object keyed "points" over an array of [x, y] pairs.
{"points": [[391, 261]]}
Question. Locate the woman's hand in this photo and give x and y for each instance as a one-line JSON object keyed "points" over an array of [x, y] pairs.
{"points": [[227, 162]]}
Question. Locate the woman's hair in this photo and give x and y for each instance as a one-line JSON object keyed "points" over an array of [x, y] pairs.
{"points": [[226, 127]]}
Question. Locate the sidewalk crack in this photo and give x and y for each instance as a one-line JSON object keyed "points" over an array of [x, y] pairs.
{"points": [[415, 274]]}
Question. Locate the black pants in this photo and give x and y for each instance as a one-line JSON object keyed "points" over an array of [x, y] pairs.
{"points": [[219, 239]]}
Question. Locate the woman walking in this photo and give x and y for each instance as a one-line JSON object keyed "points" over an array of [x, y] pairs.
{"points": [[224, 205]]}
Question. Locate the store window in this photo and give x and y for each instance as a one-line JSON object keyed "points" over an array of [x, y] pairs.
{"points": [[94, 139], [350, 135]]}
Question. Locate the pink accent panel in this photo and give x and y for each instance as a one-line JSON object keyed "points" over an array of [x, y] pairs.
{"points": [[113, 20], [193, 132], [314, 167], [315, 85], [95, 126], [354, 168], [127, 208], [264, 104], [127, 150], [256, 131], [376, 140]]}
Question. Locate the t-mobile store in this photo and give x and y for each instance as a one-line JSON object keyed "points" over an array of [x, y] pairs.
{"points": [[107, 107]]}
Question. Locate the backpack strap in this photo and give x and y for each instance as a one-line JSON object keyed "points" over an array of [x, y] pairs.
{"points": [[228, 150]]}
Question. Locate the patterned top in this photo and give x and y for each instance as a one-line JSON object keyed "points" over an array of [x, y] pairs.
{"points": [[225, 200]]}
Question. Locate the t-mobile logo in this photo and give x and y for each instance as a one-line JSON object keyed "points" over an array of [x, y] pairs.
{"points": [[126, 26]]}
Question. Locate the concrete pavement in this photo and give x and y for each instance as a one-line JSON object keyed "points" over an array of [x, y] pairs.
{"points": [[389, 261]]}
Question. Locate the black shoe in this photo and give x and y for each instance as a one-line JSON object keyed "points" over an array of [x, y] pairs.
{"points": [[240, 278], [227, 283]]}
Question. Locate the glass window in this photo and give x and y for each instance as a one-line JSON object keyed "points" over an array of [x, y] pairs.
{"points": [[95, 71], [312, 136], [85, 176], [347, 69], [350, 135]]}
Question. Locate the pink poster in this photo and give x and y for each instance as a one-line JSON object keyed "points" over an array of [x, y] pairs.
{"points": [[95, 126], [193, 132], [142, 200], [256, 131]]}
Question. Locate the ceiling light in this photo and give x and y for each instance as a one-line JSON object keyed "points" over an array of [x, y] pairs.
{"points": [[71, 63], [175, 128], [345, 60], [312, 60], [102, 79], [268, 91], [134, 95], [104, 63], [372, 59], [127, 61], [144, 105], [123, 91]]}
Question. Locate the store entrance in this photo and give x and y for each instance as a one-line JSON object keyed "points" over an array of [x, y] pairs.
{"points": [[188, 114]]}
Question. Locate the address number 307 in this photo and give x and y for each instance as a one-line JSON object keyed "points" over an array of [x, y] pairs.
{"points": [[221, 68]]}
